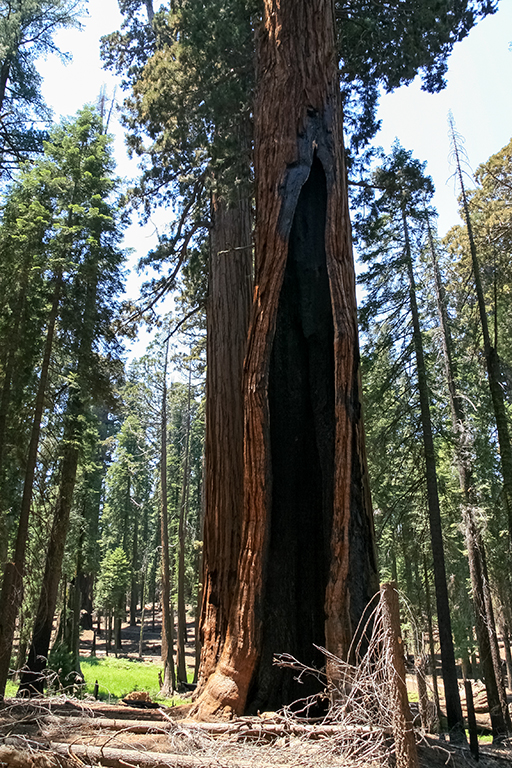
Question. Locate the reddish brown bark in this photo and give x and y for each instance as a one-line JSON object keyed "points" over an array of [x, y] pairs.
{"points": [[228, 310], [405, 743], [300, 181]]}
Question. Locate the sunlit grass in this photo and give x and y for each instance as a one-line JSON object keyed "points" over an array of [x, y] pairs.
{"points": [[119, 677], [116, 679], [11, 689]]}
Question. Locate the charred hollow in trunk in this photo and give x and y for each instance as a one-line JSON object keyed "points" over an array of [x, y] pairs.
{"points": [[301, 403]]}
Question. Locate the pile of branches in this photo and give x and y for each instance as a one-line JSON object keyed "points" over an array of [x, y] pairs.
{"points": [[356, 731]]}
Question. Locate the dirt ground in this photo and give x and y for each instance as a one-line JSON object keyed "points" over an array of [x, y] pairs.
{"points": [[152, 644]]}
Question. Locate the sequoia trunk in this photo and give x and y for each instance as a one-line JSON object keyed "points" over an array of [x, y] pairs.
{"points": [[307, 567], [228, 310]]}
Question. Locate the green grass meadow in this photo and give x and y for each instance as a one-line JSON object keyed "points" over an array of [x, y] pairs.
{"points": [[119, 677], [116, 678]]}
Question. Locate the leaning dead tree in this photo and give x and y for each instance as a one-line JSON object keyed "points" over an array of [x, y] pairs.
{"points": [[307, 567]]}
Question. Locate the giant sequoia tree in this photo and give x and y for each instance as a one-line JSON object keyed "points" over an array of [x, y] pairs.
{"points": [[307, 567], [191, 97]]}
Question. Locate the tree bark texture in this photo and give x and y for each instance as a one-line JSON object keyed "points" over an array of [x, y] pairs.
{"points": [[307, 566], [403, 732], [228, 311]]}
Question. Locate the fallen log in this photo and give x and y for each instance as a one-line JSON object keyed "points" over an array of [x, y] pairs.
{"points": [[126, 758], [249, 728]]}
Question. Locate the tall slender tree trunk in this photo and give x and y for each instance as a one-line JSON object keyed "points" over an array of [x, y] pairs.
{"points": [[76, 596], [508, 655], [135, 571], [228, 311], [484, 615], [181, 667], [169, 681], [451, 687], [307, 568], [490, 352], [32, 679], [431, 644], [143, 596], [12, 585]]}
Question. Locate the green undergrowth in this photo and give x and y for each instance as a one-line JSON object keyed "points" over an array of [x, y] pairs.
{"points": [[119, 677], [10, 689], [116, 679]]}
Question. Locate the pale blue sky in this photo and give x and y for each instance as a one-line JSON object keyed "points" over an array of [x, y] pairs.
{"points": [[479, 93]]}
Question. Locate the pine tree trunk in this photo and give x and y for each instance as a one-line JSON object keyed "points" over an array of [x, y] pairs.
{"points": [[484, 615], [508, 655], [135, 570], [142, 608], [108, 631], [12, 585], [428, 606], [307, 566], [228, 310], [169, 683], [32, 679], [451, 687], [76, 595]]}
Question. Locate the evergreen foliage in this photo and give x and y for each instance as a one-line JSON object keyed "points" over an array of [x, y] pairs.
{"points": [[27, 30]]}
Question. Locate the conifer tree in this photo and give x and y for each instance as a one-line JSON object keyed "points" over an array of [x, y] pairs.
{"points": [[183, 129], [82, 249], [388, 237], [492, 360]]}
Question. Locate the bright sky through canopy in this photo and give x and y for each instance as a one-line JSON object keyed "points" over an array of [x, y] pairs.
{"points": [[479, 93]]}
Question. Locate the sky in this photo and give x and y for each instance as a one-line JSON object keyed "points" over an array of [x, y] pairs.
{"points": [[478, 92]]}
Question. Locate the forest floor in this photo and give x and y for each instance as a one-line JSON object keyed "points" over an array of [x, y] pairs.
{"points": [[64, 732]]}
